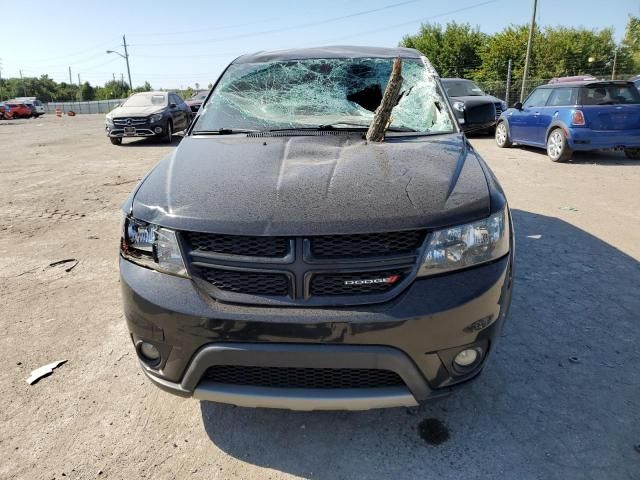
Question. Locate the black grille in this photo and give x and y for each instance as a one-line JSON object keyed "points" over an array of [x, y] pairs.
{"points": [[360, 283], [275, 247], [483, 113], [130, 121], [365, 245], [249, 283], [195, 108], [291, 377], [498, 110]]}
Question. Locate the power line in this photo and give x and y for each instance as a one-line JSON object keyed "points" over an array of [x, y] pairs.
{"points": [[282, 29], [190, 32], [411, 22]]}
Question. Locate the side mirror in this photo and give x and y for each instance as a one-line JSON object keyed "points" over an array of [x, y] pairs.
{"points": [[172, 105], [517, 105]]}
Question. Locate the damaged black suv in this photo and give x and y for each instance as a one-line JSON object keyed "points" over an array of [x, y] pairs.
{"points": [[276, 258]]}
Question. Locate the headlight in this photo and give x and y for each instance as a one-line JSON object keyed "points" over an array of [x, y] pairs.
{"points": [[109, 120], [466, 245], [156, 117], [458, 106], [505, 106], [152, 246]]}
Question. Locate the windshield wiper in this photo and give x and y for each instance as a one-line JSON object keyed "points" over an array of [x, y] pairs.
{"points": [[223, 131]]}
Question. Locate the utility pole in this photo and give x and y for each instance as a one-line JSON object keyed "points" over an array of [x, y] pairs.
{"points": [[24, 88], [114, 76], [79, 88], [70, 81], [532, 27], [508, 90], [615, 60], [126, 57]]}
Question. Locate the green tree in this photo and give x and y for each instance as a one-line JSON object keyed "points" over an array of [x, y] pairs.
{"points": [[144, 88], [454, 51], [87, 92], [631, 43]]}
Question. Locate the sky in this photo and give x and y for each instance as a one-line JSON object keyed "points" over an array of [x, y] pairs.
{"points": [[176, 45]]}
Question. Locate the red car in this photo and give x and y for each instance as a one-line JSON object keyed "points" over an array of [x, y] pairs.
{"points": [[20, 110], [195, 102]]}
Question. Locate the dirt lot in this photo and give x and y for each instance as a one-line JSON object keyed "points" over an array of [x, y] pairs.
{"points": [[560, 399]]}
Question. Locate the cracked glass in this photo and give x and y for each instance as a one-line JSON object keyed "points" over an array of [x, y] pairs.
{"points": [[307, 93]]}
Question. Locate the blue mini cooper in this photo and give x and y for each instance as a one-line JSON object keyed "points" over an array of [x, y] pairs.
{"points": [[564, 117]]}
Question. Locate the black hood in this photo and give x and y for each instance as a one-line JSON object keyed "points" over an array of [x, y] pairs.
{"points": [[472, 100], [310, 185]]}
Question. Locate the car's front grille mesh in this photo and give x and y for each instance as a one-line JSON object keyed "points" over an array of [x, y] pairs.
{"points": [[359, 283], [312, 378], [248, 283], [303, 270], [130, 121], [365, 245], [498, 110], [271, 247]]}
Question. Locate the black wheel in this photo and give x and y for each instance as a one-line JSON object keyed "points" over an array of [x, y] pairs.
{"points": [[116, 140], [632, 153], [557, 147], [168, 136], [502, 136]]}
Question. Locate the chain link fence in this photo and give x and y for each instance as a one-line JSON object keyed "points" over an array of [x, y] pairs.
{"points": [[96, 106]]}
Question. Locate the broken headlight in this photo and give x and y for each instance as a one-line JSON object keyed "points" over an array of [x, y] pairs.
{"points": [[466, 245], [152, 246]]}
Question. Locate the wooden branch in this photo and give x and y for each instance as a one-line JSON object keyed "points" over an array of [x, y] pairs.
{"points": [[382, 117]]}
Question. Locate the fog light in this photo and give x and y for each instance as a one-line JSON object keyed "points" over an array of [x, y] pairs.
{"points": [[149, 351], [158, 129], [466, 357]]}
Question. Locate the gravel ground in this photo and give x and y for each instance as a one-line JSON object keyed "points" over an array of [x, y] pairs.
{"points": [[559, 400]]}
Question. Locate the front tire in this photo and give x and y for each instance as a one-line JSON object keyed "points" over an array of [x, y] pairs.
{"points": [[168, 136], [557, 148], [502, 135], [632, 153], [116, 140]]}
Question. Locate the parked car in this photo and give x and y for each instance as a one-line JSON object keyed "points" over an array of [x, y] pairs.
{"points": [[277, 259], [5, 111], [564, 117], [36, 106], [474, 109], [196, 101], [19, 109], [148, 114], [636, 81]]}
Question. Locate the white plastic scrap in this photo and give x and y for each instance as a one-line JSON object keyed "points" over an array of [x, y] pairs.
{"points": [[43, 371]]}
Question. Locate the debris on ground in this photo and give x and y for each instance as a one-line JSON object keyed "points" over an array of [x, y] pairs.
{"points": [[66, 260], [574, 359], [535, 237], [43, 371], [572, 209]]}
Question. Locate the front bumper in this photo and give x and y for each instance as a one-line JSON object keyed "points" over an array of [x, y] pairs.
{"points": [[147, 130], [588, 139], [416, 335]]}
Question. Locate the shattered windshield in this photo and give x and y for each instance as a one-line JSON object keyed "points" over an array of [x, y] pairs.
{"points": [[307, 93]]}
